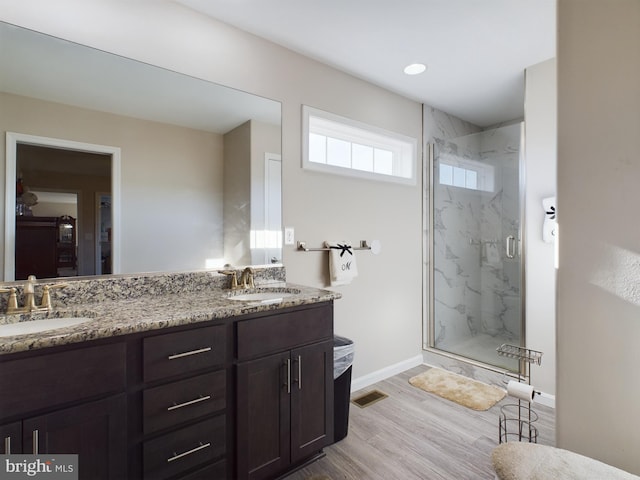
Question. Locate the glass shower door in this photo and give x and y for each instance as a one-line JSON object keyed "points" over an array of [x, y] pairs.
{"points": [[477, 262]]}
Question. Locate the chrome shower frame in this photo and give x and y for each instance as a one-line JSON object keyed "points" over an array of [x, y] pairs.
{"points": [[428, 324]]}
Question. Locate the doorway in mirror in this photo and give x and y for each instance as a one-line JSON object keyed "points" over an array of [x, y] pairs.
{"points": [[64, 176], [103, 236]]}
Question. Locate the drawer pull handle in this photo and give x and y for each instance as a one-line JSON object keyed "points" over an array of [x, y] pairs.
{"points": [[192, 352], [177, 456], [35, 442], [190, 402], [287, 363], [299, 372], [7, 446]]}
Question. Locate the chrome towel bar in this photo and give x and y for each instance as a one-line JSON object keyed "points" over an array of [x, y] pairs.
{"points": [[302, 246]]}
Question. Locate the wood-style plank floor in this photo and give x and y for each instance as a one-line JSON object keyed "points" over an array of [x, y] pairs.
{"points": [[413, 434]]}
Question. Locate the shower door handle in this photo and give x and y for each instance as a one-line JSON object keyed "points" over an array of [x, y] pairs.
{"points": [[511, 246]]}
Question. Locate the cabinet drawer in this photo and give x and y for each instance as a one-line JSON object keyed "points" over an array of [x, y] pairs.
{"points": [[42, 381], [183, 352], [261, 336], [216, 471], [185, 400], [185, 448]]}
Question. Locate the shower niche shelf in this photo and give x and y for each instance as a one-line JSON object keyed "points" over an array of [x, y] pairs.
{"points": [[516, 421]]}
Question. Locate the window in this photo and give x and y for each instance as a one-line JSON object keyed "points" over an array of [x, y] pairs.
{"points": [[466, 173], [339, 145]]}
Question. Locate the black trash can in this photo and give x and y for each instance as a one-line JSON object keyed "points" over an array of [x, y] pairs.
{"points": [[343, 351]]}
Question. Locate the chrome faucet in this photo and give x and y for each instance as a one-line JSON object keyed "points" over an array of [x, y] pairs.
{"points": [[30, 297]]}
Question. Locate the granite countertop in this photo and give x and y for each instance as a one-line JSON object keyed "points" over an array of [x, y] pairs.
{"points": [[122, 316]]}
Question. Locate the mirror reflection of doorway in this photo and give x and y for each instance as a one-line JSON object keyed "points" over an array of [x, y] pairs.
{"points": [[53, 171], [273, 208], [103, 235]]}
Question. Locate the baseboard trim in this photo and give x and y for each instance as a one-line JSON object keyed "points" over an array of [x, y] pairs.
{"points": [[364, 381], [546, 399], [384, 373], [490, 374]]}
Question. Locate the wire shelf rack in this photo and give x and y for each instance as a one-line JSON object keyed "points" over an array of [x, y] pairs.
{"points": [[521, 353], [516, 421]]}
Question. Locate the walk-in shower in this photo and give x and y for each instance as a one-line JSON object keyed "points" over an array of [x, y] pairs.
{"points": [[476, 251]]}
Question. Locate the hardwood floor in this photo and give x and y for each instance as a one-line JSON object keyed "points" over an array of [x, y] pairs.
{"points": [[413, 434]]}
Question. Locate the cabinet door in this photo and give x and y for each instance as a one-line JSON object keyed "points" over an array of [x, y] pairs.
{"points": [[95, 431], [264, 386], [11, 438], [311, 399]]}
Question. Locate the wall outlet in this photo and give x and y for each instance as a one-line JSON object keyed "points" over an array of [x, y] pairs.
{"points": [[288, 236]]}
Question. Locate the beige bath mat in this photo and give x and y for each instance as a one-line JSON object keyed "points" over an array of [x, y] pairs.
{"points": [[462, 390]]}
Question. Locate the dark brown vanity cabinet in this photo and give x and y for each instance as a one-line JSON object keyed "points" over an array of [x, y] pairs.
{"points": [[68, 402], [241, 397], [284, 390], [184, 419]]}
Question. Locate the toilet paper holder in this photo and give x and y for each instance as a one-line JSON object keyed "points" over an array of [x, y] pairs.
{"points": [[516, 421]]}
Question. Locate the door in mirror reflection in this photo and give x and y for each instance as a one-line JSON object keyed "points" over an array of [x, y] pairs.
{"points": [[103, 237], [272, 208]]}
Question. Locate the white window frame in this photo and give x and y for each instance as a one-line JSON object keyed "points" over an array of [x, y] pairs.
{"points": [[404, 148]]}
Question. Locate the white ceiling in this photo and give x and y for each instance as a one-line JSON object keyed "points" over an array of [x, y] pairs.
{"points": [[476, 50]]}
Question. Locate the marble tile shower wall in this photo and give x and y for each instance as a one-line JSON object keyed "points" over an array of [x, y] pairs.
{"points": [[476, 292], [438, 126]]}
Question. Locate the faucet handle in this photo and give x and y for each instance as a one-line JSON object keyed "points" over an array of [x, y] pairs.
{"points": [[12, 304], [233, 275], [46, 296]]}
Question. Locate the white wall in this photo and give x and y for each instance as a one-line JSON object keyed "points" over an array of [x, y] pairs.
{"points": [[598, 313], [381, 309], [540, 174], [237, 195]]}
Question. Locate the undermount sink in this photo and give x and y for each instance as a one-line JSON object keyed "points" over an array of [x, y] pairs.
{"points": [[264, 295], [37, 326]]}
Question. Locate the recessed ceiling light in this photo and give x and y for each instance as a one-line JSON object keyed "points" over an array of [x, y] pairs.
{"points": [[415, 68]]}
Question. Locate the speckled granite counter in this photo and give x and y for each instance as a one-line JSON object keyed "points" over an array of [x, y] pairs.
{"points": [[122, 305]]}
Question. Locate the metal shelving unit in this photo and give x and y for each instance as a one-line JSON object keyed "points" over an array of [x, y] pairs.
{"points": [[517, 420]]}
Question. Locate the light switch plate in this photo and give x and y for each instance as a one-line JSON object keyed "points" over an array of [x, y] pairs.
{"points": [[288, 236]]}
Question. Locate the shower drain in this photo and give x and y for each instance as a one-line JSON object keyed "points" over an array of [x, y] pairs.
{"points": [[369, 398]]}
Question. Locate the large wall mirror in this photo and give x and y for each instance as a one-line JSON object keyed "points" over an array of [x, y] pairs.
{"points": [[116, 166]]}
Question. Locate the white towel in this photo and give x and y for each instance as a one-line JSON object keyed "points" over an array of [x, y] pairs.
{"points": [[342, 263]]}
